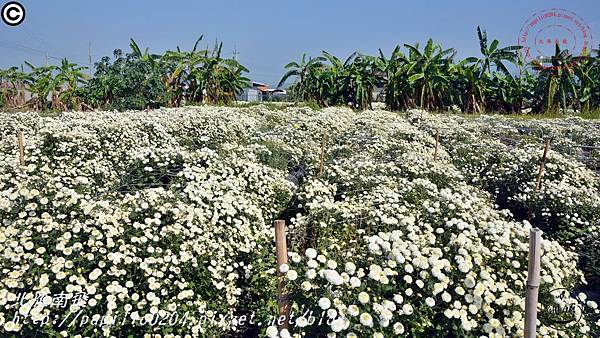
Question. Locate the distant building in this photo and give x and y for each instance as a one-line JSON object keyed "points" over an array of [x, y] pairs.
{"points": [[261, 92], [378, 94]]}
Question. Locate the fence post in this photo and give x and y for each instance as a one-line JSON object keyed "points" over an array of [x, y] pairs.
{"points": [[21, 147], [437, 144], [282, 258], [323, 145], [541, 171], [533, 282]]}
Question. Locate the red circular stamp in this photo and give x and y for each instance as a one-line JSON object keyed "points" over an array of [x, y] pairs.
{"points": [[545, 29]]}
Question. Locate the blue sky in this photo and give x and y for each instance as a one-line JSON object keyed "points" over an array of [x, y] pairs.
{"points": [[266, 34]]}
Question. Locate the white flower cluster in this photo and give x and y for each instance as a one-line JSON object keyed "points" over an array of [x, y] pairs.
{"points": [[406, 246], [126, 209], [170, 210], [506, 163]]}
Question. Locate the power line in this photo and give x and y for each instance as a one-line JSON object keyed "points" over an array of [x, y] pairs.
{"points": [[20, 47], [38, 38]]}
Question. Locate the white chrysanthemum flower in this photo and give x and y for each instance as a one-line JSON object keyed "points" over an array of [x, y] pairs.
{"points": [[363, 297], [366, 319], [284, 268], [324, 303], [333, 277], [311, 253], [301, 321], [331, 264], [350, 268], [398, 328], [291, 275], [469, 282], [284, 333]]}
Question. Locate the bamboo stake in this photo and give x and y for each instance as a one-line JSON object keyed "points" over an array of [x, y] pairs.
{"points": [[541, 171], [21, 147], [282, 258], [538, 185], [323, 145], [437, 144], [533, 282]]}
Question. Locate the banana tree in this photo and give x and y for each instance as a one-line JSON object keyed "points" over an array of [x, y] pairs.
{"points": [[470, 82], [179, 79], [42, 83], [556, 81], [12, 87], [492, 54], [429, 73], [394, 79], [306, 73], [595, 74], [511, 92], [136, 51], [360, 81], [587, 71], [331, 80], [232, 80], [68, 79], [222, 78]]}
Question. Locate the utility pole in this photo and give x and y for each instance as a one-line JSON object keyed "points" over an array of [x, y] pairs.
{"points": [[46, 59], [235, 53], [90, 58]]}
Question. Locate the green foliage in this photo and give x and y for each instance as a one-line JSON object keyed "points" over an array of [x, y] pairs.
{"points": [[140, 80], [328, 81], [12, 87], [127, 82], [134, 80], [429, 78], [411, 77], [590, 257], [47, 87]]}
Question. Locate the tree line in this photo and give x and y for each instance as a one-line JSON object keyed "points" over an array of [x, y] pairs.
{"points": [[131, 80], [431, 78]]}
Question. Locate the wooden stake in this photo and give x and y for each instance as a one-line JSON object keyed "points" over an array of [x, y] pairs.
{"points": [[21, 147], [541, 171], [282, 258], [533, 282], [323, 145], [437, 144]]}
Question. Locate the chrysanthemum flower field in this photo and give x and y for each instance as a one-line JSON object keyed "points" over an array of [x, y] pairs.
{"points": [[161, 223]]}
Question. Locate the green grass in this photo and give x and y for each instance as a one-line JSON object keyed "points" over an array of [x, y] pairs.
{"points": [[50, 113], [273, 106], [276, 106], [42, 113], [268, 105], [591, 115], [277, 158]]}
